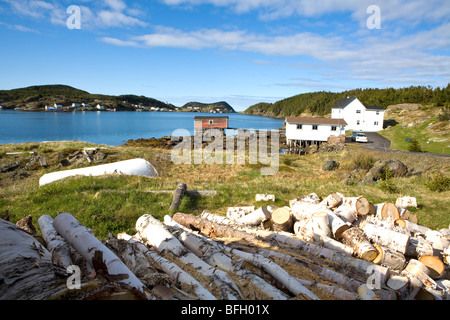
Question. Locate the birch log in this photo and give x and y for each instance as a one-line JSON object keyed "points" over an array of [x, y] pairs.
{"points": [[89, 247], [321, 224], [212, 253], [153, 232], [355, 238], [275, 271], [57, 246], [256, 217], [346, 212], [435, 266], [416, 270], [386, 237], [359, 204], [387, 210], [389, 258], [332, 200], [26, 268], [282, 220], [346, 263], [170, 268]]}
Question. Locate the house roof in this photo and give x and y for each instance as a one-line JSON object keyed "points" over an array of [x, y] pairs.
{"points": [[209, 117], [312, 120], [341, 104], [375, 108]]}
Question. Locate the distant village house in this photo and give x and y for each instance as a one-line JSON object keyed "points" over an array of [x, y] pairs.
{"points": [[202, 123], [304, 131], [358, 116]]}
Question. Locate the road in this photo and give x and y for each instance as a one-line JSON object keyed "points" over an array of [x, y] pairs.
{"points": [[378, 142]]}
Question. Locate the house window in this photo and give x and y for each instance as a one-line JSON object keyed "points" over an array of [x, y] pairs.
{"points": [[333, 128], [357, 122], [378, 113], [375, 123], [314, 127], [211, 122], [358, 111], [299, 127]]}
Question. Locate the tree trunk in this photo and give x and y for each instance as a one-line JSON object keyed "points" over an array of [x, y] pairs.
{"points": [[174, 271], [346, 263], [321, 224], [417, 270], [401, 286], [387, 210], [282, 220], [26, 267], [57, 246], [275, 271], [154, 233], [386, 237], [359, 204], [389, 258], [332, 200], [355, 238], [109, 266], [212, 253], [435, 266], [255, 218], [178, 196], [346, 212]]}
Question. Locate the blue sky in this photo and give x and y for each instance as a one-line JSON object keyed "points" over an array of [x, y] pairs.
{"points": [[242, 52]]}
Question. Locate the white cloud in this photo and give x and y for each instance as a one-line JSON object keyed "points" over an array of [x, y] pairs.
{"points": [[116, 5], [117, 19], [409, 12], [385, 58], [104, 14]]}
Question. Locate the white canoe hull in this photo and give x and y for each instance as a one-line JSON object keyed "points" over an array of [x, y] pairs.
{"points": [[133, 167]]}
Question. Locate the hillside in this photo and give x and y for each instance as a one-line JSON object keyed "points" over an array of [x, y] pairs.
{"points": [[320, 103], [428, 125], [217, 107], [35, 98]]}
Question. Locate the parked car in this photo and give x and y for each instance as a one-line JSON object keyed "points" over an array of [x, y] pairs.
{"points": [[360, 137]]}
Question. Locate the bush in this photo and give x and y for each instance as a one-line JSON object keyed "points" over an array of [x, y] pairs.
{"points": [[414, 146], [438, 183], [363, 161]]}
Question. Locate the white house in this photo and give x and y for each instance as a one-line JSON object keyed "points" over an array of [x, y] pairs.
{"points": [[100, 107], [307, 130], [358, 116], [75, 105]]}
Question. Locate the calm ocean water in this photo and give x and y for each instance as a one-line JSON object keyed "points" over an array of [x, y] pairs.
{"points": [[110, 128]]}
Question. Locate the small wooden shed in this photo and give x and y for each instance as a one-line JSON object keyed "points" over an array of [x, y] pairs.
{"points": [[202, 123]]}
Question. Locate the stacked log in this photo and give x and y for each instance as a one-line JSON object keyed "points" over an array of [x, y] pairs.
{"points": [[311, 249]]}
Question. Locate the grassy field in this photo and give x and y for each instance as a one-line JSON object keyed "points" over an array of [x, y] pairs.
{"points": [[112, 204], [420, 123]]}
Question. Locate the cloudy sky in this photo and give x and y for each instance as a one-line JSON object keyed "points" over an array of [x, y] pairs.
{"points": [[240, 51]]}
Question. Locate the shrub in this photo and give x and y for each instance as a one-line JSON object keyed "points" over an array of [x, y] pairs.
{"points": [[363, 161], [414, 146], [438, 183]]}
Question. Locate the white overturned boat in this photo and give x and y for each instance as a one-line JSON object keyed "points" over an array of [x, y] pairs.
{"points": [[133, 167]]}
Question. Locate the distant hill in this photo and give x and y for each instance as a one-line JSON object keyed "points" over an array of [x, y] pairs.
{"points": [[320, 103], [217, 107], [36, 97]]}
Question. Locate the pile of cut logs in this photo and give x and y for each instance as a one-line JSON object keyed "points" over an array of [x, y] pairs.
{"points": [[330, 248]]}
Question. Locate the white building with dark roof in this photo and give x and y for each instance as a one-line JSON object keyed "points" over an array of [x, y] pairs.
{"points": [[313, 130], [358, 116]]}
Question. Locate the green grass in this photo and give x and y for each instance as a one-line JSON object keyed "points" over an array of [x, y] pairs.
{"points": [[112, 204], [427, 140]]}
